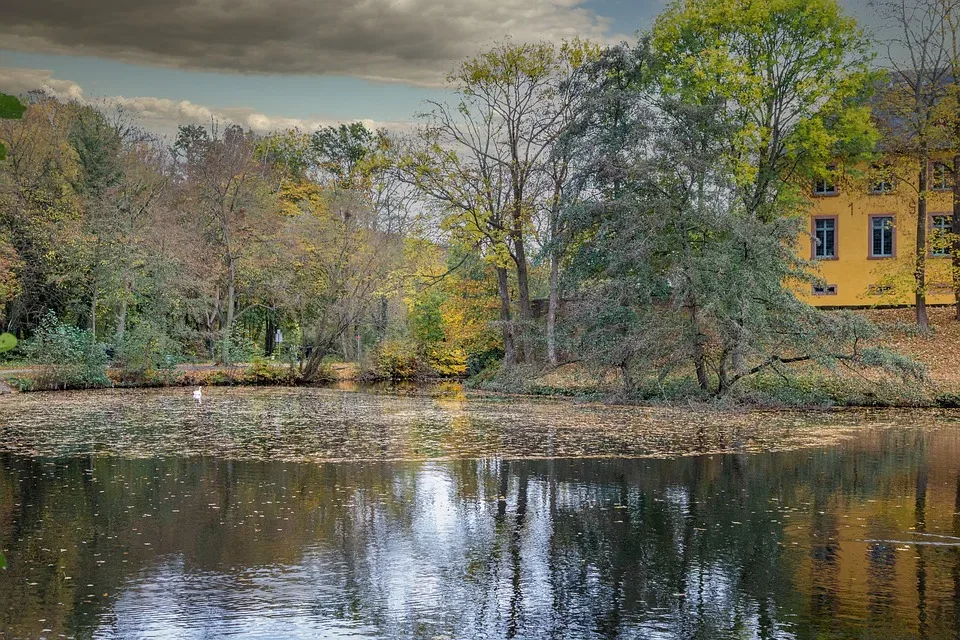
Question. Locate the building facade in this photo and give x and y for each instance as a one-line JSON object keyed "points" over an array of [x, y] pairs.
{"points": [[861, 237]]}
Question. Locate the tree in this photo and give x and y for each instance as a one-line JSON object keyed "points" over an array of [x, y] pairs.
{"points": [[136, 200], [342, 265], [10, 109], [225, 193], [949, 117], [41, 216], [663, 254], [909, 111], [485, 159], [789, 78], [98, 147]]}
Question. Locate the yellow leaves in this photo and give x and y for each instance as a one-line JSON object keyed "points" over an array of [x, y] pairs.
{"points": [[300, 196], [508, 63], [578, 52], [789, 73]]}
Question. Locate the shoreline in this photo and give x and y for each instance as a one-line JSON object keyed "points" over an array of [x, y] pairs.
{"points": [[244, 377]]}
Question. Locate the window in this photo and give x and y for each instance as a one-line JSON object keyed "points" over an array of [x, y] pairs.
{"points": [[824, 289], [825, 238], [879, 289], [939, 239], [825, 186], [882, 179], [940, 177], [881, 236]]}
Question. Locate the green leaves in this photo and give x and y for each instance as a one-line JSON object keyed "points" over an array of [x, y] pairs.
{"points": [[790, 76], [10, 109], [7, 342]]}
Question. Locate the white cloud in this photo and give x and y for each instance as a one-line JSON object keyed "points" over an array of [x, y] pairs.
{"points": [[163, 114], [19, 81]]}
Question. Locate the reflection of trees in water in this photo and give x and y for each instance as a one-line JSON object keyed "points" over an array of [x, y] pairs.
{"points": [[611, 548]]}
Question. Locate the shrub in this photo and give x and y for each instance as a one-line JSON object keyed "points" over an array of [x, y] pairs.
{"points": [[483, 361], [398, 360], [447, 362], [69, 356], [242, 346], [264, 373], [146, 351]]}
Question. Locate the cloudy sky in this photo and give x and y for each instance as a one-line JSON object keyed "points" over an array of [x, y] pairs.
{"points": [[281, 63]]}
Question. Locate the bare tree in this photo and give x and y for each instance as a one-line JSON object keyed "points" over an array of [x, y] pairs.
{"points": [[918, 65], [343, 264], [950, 113], [224, 194], [498, 138]]}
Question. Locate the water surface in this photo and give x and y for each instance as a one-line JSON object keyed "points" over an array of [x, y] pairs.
{"points": [[281, 513]]}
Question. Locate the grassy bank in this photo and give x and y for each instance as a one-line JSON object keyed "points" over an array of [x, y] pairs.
{"points": [[794, 386], [801, 385], [796, 389], [50, 378]]}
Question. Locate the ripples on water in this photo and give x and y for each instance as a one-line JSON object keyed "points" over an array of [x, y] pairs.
{"points": [[313, 513]]}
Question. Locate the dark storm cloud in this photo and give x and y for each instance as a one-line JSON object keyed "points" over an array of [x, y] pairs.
{"points": [[404, 40]]}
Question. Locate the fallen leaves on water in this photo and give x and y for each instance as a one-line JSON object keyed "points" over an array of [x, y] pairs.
{"points": [[310, 424]]}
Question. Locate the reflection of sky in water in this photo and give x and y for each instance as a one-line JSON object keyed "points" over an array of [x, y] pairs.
{"points": [[777, 545]]}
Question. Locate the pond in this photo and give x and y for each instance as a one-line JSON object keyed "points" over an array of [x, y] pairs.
{"points": [[307, 513]]}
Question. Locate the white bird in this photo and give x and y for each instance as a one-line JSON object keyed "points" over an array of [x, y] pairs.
{"points": [[198, 395]]}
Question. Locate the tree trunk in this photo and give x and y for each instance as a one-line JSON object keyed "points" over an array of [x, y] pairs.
{"points": [[503, 286], [955, 231], [552, 309], [124, 306], [93, 311], [269, 337], [121, 321], [228, 325], [699, 359], [382, 318], [723, 373], [523, 297], [920, 275]]}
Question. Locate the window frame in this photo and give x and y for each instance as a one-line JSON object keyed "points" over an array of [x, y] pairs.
{"points": [[893, 239], [826, 290], [836, 237], [835, 190], [945, 183], [931, 229], [881, 192]]}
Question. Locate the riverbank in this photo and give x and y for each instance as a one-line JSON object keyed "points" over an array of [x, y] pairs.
{"points": [[799, 386], [795, 386], [25, 378]]}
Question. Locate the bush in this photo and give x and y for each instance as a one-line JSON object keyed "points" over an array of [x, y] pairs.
{"points": [[70, 357], [484, 361], [146, 351], [242, 346], [398, 360], [447, 362], [262, 372]]}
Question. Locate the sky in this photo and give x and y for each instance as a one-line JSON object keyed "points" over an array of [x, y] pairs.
{"points": [[269, 64]]}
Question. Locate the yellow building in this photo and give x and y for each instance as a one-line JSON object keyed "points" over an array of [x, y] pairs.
{"points": [[861, 236]]}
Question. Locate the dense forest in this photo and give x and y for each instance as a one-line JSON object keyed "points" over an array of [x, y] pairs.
{"points": [[632, 208]]}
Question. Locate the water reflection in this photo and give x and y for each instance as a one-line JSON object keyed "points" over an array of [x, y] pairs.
{"points": [[816, 543]]}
